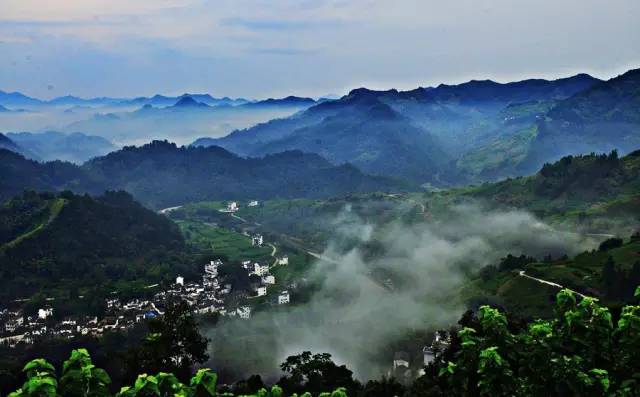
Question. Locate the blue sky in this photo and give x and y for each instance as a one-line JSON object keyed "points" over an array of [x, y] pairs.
{"points": [[264, 48]]}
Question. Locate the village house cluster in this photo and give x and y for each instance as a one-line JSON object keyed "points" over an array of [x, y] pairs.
{"points": [[208, 296]]}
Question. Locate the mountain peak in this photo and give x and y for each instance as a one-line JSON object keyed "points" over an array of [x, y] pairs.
{"points": [[366, 92], [187, 101]]}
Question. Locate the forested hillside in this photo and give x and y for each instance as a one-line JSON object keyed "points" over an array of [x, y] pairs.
{"points": [[572, 183], [18, 173], [67, 245], [160, 174], [595, 193], [610, 273], [601, 118]]}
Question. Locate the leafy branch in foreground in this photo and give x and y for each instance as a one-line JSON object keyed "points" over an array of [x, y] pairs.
{"points": [[580, 352], [80, 378]]}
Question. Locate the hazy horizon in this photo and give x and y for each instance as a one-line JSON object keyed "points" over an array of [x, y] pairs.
{"points": [[317, 97], [267, 49]]}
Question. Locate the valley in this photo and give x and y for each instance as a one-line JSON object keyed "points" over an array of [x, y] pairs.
{"points": [[388, 219]]}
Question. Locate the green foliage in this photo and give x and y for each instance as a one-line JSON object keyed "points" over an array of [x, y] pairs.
{"points": [[611, 275], [204, 381], [221, 241], [579, 352], [573, 188], [610, 243], [173, 344], [80, 378], [316, 373], [41, 380], [386, 387]]}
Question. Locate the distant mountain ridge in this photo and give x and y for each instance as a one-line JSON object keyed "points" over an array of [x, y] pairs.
{"points": [[417, 134], [19, 99], [446, 135], [600, 119], [513, 92], [162, 100], [52, 145], [7, 143]]}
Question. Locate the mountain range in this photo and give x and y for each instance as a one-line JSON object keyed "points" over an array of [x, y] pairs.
{"points": [[602, 118], [52, 145], [424, 135], [444, 135], [18, 99], [182, 120], [161, 174], [12, 99]]}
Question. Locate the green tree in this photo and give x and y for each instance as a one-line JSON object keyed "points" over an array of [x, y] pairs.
{"points": [[386, 387], [316, 373], [173, 343]]}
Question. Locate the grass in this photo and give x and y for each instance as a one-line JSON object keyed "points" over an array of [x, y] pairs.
{"points": [[220, 241], [237, 247]]}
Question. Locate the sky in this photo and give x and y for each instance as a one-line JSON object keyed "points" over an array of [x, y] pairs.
{"points": [[274, 48]]}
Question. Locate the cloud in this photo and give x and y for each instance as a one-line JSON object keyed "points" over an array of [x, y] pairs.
{"points": [[282, 51], [280, 24], [402, 44], [74, 10], [369, 301]]}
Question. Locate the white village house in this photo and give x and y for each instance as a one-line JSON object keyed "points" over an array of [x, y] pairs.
{"points": [[45, 313], [261, 290], [257, 240], [283, 298], [244, 312], [269, 279]]}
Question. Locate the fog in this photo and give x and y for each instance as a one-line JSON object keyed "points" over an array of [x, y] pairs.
{"points": [[367, 301], [131, 125]]}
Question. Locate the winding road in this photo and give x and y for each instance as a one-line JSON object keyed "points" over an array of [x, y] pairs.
{"points": [[274, 249], [521, 273]]}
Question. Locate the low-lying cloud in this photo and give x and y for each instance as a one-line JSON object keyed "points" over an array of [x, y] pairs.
{"points": [[370, 297]]}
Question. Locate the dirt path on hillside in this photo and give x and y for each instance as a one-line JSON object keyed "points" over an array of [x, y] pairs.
{"points": [[521, 273]]}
